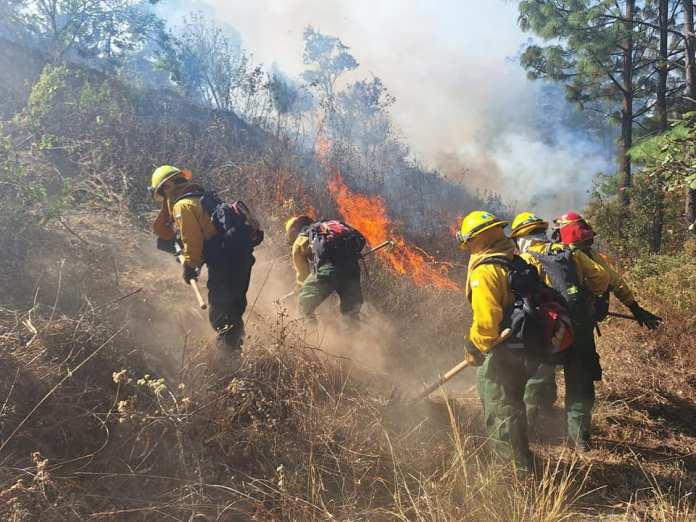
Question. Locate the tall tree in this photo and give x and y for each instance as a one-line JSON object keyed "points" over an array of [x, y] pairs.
{"points": [[100, 30], [690, 54], [206, 62], [599, 52], [328, 58]]}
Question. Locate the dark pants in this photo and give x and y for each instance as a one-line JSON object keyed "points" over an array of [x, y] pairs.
{"points": [[501, 384], [580, 372], [228, 283], [342, 278], [541, 393]]}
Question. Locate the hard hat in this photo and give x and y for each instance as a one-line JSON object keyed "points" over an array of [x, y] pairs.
{"points": [[568, 218], [526, 223], [475, 223], [163, 174], [295, 224], [573, 229]]}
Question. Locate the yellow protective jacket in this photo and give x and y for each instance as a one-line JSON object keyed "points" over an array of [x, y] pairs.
{"points": [[190, 220], [301, 258], [617, 285], [591, 275], [488, 291]]}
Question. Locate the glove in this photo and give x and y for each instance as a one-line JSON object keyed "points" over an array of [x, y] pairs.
{"points": [[473, 355], [190, 273], [645, 318]]}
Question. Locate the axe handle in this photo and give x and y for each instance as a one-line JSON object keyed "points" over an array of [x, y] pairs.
{"points": [[199, 297], [458, 368], [194, 285]]}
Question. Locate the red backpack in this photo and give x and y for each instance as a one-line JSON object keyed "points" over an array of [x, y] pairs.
{"points": [[334, 241]]}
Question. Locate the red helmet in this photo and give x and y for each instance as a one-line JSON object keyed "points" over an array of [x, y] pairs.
{"points": [[574, 229]]}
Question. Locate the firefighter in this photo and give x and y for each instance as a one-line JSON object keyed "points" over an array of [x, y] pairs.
{"points": [[317, 276], [184, 220], [580, 280], [503, 371], [574, 231]]}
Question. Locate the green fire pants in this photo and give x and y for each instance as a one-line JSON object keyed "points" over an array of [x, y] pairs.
{"points": [[580, 371], [342, 278], [501, 383]]}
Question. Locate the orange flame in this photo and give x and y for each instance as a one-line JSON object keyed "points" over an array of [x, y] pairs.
{"points": [[369, 215]]}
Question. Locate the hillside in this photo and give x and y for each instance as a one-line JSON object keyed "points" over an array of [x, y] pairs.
{"points": [[115, 404]]}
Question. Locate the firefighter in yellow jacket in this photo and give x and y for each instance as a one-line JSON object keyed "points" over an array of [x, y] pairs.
{"points": [[580, 280], [183, 220], [315, 280], [503, 370]]}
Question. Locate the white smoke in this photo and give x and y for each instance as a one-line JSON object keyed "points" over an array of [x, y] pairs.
{"points": [[461, 104]]}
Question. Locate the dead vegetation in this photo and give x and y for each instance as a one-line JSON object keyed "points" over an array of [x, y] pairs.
{"points": [[113, 406]]}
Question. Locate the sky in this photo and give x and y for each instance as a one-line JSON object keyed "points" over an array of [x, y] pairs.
{"points": [[462, 103]]}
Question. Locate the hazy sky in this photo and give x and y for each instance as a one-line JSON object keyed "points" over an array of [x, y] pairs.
{"points": [[461, 103], [444, 60]]}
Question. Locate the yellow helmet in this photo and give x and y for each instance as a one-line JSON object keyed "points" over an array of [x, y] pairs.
{"points": [[294, 225], [163, 174], [525, 223], [476, 222]]}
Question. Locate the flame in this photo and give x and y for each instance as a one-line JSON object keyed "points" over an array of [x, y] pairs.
{"points": [[454, 227], [369, 215]]}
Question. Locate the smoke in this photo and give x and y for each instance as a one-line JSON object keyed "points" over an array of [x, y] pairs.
{"points": [[463, 105]]}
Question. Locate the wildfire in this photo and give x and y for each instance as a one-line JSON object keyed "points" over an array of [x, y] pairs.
{"points": [[368, 214]]}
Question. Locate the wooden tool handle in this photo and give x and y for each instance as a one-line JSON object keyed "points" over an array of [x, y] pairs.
{"points": [[504, 335], [199, 297], [194, 284]]}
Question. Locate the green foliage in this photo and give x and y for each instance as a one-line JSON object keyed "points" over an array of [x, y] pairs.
{"points": [[672, 155], [670, 279], [45, 95], [26, 200], [629, 230], [105, 31]]}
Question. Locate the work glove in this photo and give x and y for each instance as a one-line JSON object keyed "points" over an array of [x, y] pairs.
{"points": [[190, 273], [645, 318], [473, 355]]}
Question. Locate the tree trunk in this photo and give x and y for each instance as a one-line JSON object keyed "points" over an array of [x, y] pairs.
{"points": [[690, 209], [690, 53], [662, 67], [627, 109], [661, 113]]}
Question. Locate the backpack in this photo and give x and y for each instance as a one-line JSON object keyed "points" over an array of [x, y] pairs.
{"points": [[334, 241], [239, 231], [560, 266], [539, 318]]}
